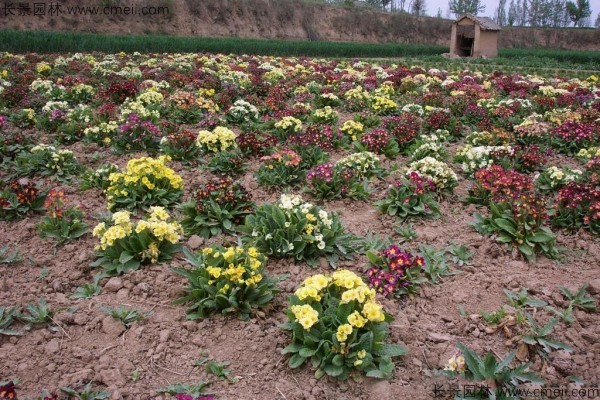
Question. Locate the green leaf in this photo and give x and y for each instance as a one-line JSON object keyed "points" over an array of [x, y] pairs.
{"points": [[505, 225], [306, 352], [296, 361], [393, 350], [333, 370], [504, 363], [125, 257], [338, 360]]}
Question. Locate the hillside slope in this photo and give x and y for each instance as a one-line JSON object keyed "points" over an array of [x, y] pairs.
{"points": [[277, 19]]}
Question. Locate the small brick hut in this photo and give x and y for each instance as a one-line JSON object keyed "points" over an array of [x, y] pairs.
{"points": [[474, 36]]}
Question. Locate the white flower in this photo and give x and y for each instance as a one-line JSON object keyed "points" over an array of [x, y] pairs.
{"points": [[268, 236], [321, 245]]}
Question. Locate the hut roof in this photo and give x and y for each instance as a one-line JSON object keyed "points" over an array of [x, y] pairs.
{"points": [[485, 23]]}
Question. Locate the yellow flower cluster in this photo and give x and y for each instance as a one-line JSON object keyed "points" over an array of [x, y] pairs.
{"points": [[42, 68], [456, 363], [357, 93], [219, 139], [342, 332], [237, 265], [290, 124], [353, 129], [383, 105], [305, 315], [156, 225], [326, 114], [143, 173], [589, 153], [121, 228], [353, 288]]}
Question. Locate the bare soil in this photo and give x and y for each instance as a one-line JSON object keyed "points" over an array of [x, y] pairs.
{"points": [[91, 346]]}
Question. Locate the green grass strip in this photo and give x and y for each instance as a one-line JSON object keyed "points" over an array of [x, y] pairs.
{"points": [[58, 42]]}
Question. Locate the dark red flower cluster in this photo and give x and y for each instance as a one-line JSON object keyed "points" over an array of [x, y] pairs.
{"points": [[315, 135], [439, 119], [250, 143], [389, 276], [25, 190], [498, 185], [376, 140], [119, 90], [55, 203], [224, 192], [572, 131], [404, 127]]}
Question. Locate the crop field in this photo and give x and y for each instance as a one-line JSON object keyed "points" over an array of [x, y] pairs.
{"points": [[200, 226]]}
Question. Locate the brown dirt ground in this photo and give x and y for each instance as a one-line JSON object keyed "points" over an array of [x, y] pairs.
{"points": [[90, 346]]}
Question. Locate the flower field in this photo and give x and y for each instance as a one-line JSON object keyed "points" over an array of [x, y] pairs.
{"points": [[208, 226]]}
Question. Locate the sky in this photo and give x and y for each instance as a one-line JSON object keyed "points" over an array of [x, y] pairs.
{"points": [[491, 5]]}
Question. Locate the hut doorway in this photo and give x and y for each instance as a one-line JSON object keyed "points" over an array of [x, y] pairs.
{"points": [[465, 41]]}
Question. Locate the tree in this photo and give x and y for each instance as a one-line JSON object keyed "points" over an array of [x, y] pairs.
{"points": [[501, 17], [578, 11], [460, 7], [439, 13], [598, 21], [513, 14], [417, 7]]}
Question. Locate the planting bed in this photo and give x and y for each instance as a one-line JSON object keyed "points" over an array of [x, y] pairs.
{"points": [[490, 183]]}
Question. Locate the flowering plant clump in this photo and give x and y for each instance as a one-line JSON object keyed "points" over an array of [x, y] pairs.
{"points": [[61, 223], [24, 118], [98, 178], [220, 139], [180, 145], [13, 143], [280, 169], [395, 272], [383, 106], [496, 184], [473, 158], [322, 136], [589, 153], [554, 178], [242, 112], [19, 197], [379, 141], [352, 129], [229, 163], [125, 246], [528, 158], [572, 136], [520, 222], [328, 99], [144, 182], [404, 127], [439, 172], [363, 164], [136, 134], [413, 197], [102, 133], [329, 181], [253, 144], [48, 161], [231, 280], [217, 207], [356, 99], [494, 137], [325, 115], [287, 126], [338, 325], [432, 145], [578, 205], [293, 228]]}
